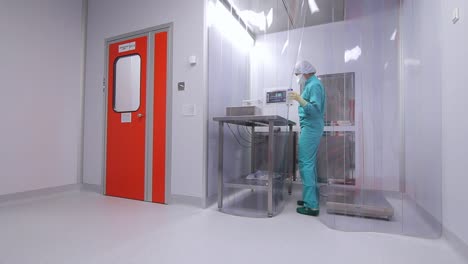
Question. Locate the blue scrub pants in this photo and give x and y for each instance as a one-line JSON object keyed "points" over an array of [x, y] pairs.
{"points": [[309, 142]]}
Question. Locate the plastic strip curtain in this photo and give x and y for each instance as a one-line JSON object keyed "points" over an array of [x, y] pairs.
{"points": [[253, 47], [366, 57]]}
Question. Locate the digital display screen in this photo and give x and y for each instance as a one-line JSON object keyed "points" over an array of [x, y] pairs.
{"points": [[276, 97]]}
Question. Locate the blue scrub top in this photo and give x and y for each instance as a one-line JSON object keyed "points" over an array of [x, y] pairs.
{"points": [[312, 115]]}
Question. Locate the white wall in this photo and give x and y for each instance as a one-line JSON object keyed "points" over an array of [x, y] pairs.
{"points": [[108, 18], [40, 71], [370, 27], [455, 121]]}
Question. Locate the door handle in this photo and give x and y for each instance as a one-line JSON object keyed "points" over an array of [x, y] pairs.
{"points": [[140, 115]]}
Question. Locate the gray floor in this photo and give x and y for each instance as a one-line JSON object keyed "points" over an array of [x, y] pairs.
{"points": [[85, 227]]}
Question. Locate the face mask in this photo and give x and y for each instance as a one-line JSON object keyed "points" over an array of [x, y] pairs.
{"points": [[301, 81]]}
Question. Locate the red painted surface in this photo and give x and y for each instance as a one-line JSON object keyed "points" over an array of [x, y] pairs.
{"points": [[159, 131], [125, 163]]}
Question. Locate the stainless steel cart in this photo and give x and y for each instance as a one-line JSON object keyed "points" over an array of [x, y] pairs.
{"points": [[270, 121]]}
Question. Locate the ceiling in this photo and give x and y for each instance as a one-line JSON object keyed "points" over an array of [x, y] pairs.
{"points": [[289, 14]]}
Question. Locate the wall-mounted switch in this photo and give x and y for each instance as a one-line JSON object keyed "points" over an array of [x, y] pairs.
{"points": [[181, 86]]}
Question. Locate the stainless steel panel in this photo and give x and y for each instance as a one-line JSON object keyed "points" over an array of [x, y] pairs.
{"points": [[243, 111], [253, 120]]}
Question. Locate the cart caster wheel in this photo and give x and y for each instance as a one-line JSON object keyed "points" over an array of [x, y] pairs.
{"points": [[270, 215], [289, 193]]}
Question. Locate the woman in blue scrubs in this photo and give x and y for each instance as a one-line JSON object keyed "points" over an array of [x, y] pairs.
{"points": [[312, 102]]}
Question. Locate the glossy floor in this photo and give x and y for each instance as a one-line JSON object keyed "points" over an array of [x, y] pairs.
{"points": [[86, 227]]}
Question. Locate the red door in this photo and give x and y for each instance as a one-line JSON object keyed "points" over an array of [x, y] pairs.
{"points": [[126, 118], [159, 120]]}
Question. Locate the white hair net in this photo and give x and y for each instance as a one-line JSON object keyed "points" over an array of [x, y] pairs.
{"points": [[304, 67]]}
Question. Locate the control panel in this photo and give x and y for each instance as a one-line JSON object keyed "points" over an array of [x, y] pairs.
{"points": [[278, 96]]}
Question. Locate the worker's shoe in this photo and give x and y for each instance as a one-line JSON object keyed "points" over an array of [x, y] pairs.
{"points": [[308, 211], [300, 203]]}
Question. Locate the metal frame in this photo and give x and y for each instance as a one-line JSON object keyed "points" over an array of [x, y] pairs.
{"points": [[271, 149], [401, 114], [352, 128], [291, 148], [149, 32], [271, 122], [220, 164], [149, 119], [206, 111], [84, 36]]}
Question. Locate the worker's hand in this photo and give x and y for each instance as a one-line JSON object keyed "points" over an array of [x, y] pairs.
{"points": [[297, 97], [294, 96]]}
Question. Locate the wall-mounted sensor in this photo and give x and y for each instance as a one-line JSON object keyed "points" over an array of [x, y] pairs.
{"points": [[456, 15], [193, 60]]}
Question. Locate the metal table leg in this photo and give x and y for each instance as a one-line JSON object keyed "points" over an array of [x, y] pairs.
{"points": [[290, 151], [271, 149], [220, 164], [252, 152]]}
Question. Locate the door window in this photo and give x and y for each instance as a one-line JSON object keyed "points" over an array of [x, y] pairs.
{"points": [[127, 83]]}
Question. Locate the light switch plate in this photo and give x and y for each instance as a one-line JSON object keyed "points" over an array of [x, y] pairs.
{"points": [[189, 110], [193, 60]]}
